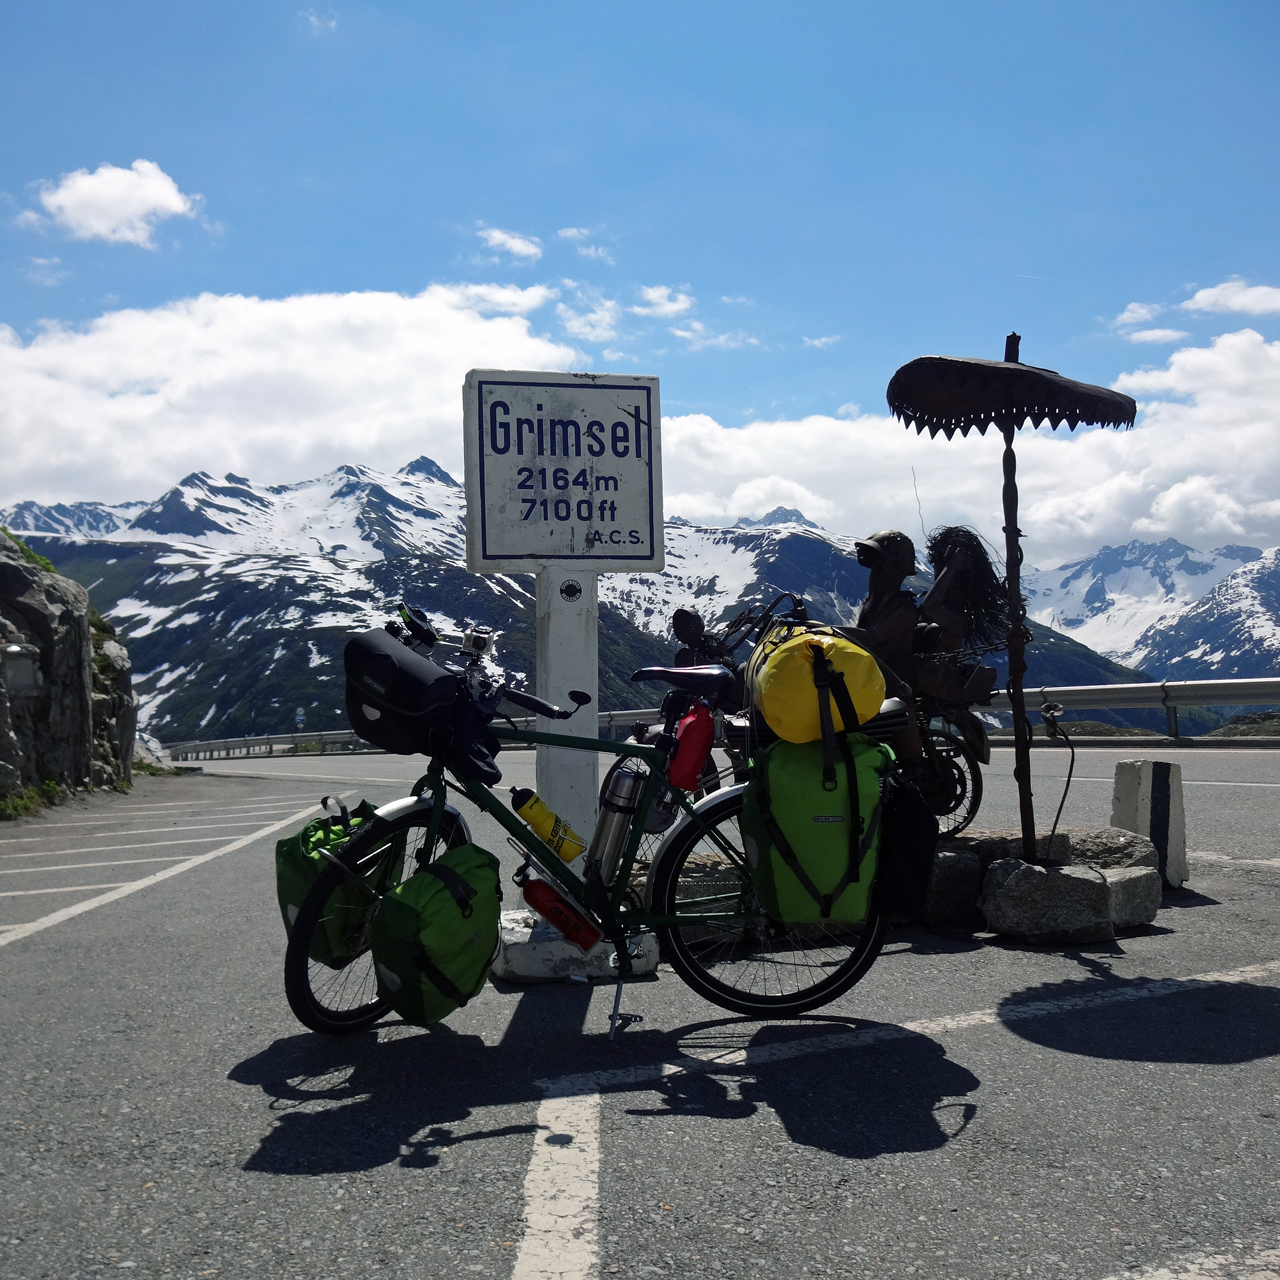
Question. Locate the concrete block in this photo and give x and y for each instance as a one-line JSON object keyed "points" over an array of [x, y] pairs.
{"points": [[1135, 894], [954, 884], [1047, 904], [531, 950], [1147, 798]]}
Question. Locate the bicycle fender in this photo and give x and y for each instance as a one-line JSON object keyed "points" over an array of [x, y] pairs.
{"points": [[716, 797], [418, 804], [973, 733]]}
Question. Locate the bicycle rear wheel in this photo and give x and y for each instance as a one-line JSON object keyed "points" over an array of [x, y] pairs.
{"points": [[746, 961], [339, 993], [952, 787]]}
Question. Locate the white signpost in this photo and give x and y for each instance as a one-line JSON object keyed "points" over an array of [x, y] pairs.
{"points": [[564, 480]]}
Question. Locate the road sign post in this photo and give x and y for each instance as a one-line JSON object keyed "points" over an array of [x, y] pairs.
{"points": [[564, 480]]}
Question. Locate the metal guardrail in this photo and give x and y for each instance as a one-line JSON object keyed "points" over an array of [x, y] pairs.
{"points": [[1169, 694], [345, 741]]}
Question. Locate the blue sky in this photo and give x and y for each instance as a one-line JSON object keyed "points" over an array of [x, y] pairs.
{"points": [[811, 194]]}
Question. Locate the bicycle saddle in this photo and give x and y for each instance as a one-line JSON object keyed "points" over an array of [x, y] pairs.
{"points": [[699, 680]]}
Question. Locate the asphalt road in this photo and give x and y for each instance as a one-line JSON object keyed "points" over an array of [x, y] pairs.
{"points": [[972, 1109]]}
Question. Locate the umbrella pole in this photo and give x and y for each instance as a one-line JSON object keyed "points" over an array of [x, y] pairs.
{"points": [[1017, 648]]}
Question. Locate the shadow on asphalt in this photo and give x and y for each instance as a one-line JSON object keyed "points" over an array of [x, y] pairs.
{"points": [[360, 1102], [1216, 1023]]}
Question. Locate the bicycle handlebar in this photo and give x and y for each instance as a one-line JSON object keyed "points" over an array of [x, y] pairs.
{"points": [[536, 705]]}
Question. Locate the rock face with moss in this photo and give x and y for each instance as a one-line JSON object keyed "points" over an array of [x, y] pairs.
{"points": [[67, 712]]}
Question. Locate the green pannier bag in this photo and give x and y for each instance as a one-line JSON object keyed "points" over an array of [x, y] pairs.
{"points": [[813, 850], [299, 860], [436, 935]]}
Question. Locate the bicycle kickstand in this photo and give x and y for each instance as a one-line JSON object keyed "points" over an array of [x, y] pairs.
{"points": [[624, 972]]}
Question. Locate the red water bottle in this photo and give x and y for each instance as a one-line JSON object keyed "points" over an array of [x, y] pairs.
{"points": [[561, 914], [694, 735]]}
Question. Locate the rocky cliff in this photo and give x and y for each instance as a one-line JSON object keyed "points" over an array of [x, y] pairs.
{"points": [[67, 711]]}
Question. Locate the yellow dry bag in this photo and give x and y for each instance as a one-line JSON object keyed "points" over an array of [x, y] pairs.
{"points": [[779, 678]]}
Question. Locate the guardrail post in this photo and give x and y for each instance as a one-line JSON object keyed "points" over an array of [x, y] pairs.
{"points": [[1171, 716]]}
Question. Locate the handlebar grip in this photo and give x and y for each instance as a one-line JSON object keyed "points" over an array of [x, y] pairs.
{"points": [[536, 705]]}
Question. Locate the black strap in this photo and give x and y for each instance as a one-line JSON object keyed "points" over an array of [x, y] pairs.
{"points": [[459, 890], [822, 680], [439, 979]]}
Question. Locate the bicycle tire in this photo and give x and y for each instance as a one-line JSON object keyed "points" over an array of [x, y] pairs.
{"points": [[337, 1000], [734, 964], [957, 793]]}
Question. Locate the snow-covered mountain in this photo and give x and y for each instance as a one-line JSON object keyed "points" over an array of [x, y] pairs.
{"points": [[1232, 632], [235, 598], [1109, 599]]}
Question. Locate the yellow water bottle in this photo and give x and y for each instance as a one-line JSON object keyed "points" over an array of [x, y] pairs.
{"points": [[555, 831]]}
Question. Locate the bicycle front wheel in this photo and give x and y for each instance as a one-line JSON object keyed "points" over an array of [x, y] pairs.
{"points": [[741, 959], [329, 974]]}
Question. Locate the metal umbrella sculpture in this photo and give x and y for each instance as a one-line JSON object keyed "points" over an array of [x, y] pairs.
{"points": [[950, 394]]}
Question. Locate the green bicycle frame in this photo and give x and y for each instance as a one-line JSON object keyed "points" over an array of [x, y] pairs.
{"points": [[545, 858]]}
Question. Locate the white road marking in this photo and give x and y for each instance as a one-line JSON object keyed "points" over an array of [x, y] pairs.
{"points": [[115, 848], [1261, 1265], [561, 1192], [140, 831], [71, 888], [80, 866], [191, 804], [68, 913], [238, 812], [1226, 857], [562, 1186]]}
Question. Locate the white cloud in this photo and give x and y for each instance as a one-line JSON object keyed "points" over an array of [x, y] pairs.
{"points": [[46, 271], [595, 251], [320, 23], [699, 338], [1235, 295], [1203, 466], [120, 206], [573, 233], [526, 247], [610, 354], [823, 342], [738, 300], [1137, 313], [1156, 335], [659, 300], [284, 389], [274, 389], [598, 324]]}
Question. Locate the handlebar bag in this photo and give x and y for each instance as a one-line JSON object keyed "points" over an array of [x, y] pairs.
{"points": [[813, 842], [435, 936], [780, 678], [300, 859], [395, 697]]}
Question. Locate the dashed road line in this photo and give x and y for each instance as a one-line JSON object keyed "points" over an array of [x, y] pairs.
{"points": [[1263, 1264], [80, 866], [141, 831], [122, 891], [71, 888], [116, 848]]}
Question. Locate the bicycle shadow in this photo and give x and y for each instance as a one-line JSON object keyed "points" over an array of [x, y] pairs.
{"points": [[1211, 1023], [360, 1102], [887, 1091]]}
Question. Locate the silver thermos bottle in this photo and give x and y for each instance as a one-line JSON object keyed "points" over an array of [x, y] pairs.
{"points": [[617, 808]]}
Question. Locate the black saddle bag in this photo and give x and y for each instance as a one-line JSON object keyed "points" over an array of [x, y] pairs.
{"points": [[396, 697]]}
